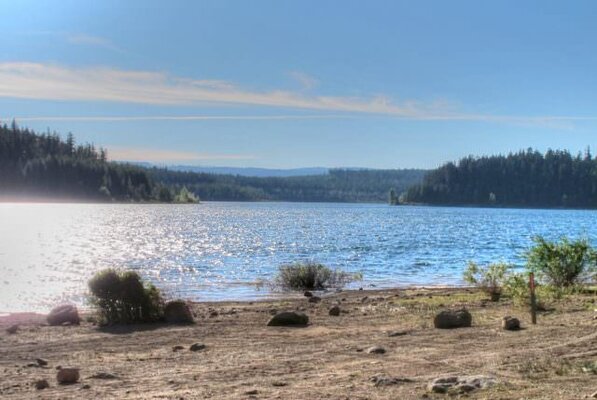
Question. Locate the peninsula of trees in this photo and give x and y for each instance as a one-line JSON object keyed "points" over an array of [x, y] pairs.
{"points": [[524, 179]]}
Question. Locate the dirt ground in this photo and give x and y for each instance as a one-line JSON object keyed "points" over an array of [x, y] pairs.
{"points": [[245, 359]]}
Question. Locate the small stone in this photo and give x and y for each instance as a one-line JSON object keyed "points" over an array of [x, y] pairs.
{"points": [[104, 375], [213, 314], [197, 347], [314, 299], [252, 392], [41, 384], [12, 329], [308, 294], [41, 362], [397, 333], [380, 380], [177, 348], [288, 318], [67, 376], [510, 323], [376, 350], [86, 386], [334, 311], [279, 384]]}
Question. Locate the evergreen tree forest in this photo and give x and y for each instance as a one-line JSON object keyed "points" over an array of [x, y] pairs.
{"points": [[524, 179]]}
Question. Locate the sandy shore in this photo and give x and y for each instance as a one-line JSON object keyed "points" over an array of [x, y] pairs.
{"points": [[245, 359]]}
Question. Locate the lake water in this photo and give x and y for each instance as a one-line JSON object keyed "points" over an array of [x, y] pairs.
{"points": [[219, 251]]}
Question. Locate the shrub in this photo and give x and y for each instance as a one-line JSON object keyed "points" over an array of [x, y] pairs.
{"points": [[123, 297], [490, 278], [312, 276], [563, 263]]}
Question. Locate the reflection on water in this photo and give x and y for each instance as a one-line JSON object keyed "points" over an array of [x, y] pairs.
{"points": [[221, 250]]}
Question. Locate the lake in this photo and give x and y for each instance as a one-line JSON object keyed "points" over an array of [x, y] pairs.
{"points": [[223, 251]]}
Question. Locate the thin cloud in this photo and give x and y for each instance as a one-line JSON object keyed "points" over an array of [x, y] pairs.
{"points": [[53, 82], [160, 156], [306, 81], [89, 40], [121, 118]]}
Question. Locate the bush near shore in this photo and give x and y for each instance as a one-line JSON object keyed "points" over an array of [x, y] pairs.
{"points": [[312, 276]]}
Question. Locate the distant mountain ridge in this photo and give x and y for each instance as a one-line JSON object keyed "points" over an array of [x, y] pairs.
{"points": [[251, 171]]}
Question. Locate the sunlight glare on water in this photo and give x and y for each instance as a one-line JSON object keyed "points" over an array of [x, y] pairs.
{"points": [[217, 251]]}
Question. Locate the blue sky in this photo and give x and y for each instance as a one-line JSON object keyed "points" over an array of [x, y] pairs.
{"points": [[311, 83]]}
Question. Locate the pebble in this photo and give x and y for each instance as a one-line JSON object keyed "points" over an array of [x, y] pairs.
{"points": [[41, 384], [376, 350], [41, 362], [177, 348], [197, 347]]}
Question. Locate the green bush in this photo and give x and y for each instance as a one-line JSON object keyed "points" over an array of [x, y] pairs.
{"points": [[312, 276], [123, 297], [564, 263], [490, 278]]}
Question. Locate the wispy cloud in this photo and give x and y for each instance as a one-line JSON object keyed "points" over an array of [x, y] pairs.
{"points": [[124, 118], [54, 82], [95, 41], [164, 156], [305, 80]]}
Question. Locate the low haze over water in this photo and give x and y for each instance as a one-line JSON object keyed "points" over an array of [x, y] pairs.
{"points": [[221, 251]]}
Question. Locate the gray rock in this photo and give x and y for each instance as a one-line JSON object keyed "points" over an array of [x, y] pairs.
{"points": [[12, 329], [288, 318], [66, 313], [314, 299], [41, 362], [376, 350], [104, 375], [461, 384], [41, 384], [178, 312], [449, 319], [197, 347], [510, 323], [381, 380], [66, 376], [334, 311]]}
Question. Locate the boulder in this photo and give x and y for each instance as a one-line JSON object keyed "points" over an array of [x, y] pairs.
{"points": [[66, 313], [288, 318], [510, 323], [178, 312], [460, 384], [66, 376], [334, 311], [449, 319]]}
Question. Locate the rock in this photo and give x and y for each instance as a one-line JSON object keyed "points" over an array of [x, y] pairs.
{"points": [[460, 384], [41, 384], [12, 329], [41, 362], [104, 375], [314, 299], [334, 311], [64, 313], [86, 386], [594, 395], [376, 350], [252, 392], [213, 314], [380, 380], [510, 324], [288, 318], [178, 312], [449, 319], [177, 348], [66, 376], [397, 333], [197, 347], [308, 294]]}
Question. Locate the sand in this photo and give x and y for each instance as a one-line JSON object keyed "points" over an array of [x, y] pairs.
{"points": [[245, 359]]}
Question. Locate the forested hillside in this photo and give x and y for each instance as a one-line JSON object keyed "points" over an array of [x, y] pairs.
{"points": [[43, 166], [524, 179]]}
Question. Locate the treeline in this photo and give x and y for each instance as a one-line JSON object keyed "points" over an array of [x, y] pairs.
{"points": [[524, 179], [339, 185], [44, 166]]}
